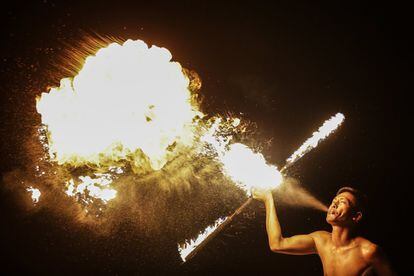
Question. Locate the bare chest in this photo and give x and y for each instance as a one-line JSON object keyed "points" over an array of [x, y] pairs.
{"points": [[342, 261]]}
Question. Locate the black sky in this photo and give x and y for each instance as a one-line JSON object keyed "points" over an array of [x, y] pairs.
{"points": [[287, 67]]}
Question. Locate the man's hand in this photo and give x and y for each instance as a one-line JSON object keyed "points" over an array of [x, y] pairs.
{"points": [[262, 194]]}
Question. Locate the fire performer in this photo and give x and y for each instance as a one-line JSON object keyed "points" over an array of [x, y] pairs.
{"points": [[342, 252]]}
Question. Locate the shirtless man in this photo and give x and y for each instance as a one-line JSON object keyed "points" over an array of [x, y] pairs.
{"points": [[341, 251]]}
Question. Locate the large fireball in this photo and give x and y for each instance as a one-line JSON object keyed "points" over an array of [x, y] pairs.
{"points": [[126, 99]]}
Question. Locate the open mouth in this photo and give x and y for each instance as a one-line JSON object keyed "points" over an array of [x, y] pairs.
{"points": [[333, 212]]}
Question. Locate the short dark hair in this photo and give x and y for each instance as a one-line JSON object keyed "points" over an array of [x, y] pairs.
{"points": [[360, 197]]}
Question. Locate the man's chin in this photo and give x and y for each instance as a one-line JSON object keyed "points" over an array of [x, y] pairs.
{"points": [[335, 221], [331, 220]]}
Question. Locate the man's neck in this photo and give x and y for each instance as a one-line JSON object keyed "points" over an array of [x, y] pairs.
{"points": [[342, 236]]}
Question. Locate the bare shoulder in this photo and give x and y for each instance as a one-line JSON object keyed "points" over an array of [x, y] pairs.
{"points": [[369, 250], [320, 236], [375, 256]]}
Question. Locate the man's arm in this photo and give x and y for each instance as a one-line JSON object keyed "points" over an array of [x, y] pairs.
{"points": [[295, 245]]}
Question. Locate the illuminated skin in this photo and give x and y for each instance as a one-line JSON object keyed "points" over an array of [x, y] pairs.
{"points": [[341, 252]]}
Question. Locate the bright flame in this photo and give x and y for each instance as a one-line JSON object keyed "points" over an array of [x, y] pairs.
{"points": [[327, 128], [218, 135], [190, 245], [249, 169], [35, 194], [98, 187], [126, 98], [244, 167]]}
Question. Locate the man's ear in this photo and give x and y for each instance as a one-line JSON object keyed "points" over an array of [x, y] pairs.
{"points": [[357, 217]]}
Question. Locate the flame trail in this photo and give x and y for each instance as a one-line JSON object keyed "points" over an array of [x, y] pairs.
{"points": [[327, 128], [192, 244], [240, 164]]}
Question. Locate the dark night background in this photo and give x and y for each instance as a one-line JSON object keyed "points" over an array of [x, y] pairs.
{"points": [[286, 67]]}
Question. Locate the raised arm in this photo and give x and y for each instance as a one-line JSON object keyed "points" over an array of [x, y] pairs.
{"points": [[295, 245]]}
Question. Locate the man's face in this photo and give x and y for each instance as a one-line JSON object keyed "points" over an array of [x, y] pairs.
{"points": [[342, 210]]}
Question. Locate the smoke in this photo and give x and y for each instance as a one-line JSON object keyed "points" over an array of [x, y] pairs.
{"points": [[291, 192]]}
